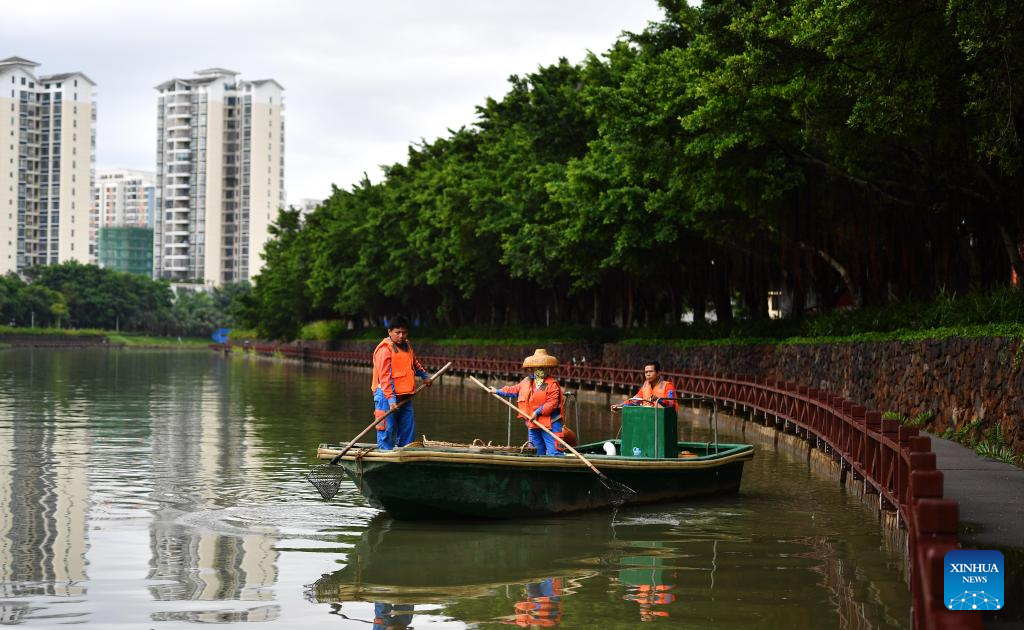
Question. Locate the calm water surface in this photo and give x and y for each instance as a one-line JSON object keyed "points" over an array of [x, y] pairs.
{"points": [[159, 489]]}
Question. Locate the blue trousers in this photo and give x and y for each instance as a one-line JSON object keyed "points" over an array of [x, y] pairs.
{"points": [[391, 615], [401, 426], [544, 443]]}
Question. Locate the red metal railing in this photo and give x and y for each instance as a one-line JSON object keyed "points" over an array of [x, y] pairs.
{"points": [[892, 460]]}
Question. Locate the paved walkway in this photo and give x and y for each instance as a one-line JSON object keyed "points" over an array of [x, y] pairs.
{"points": [[991, 497], [990, 493]]}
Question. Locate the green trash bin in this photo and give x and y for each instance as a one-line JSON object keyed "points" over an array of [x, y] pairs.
{"points": [[649, 432]]}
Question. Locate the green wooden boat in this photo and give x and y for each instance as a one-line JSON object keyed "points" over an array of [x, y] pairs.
{"points": [[424, 481]]}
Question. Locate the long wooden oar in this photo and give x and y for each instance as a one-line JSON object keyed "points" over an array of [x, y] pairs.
{"points": [[327, 477], [619, 492]]}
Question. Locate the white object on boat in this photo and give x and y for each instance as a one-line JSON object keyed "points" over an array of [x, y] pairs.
{"points": [[609, 448]]}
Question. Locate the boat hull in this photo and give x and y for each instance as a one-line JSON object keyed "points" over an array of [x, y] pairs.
{"points": [[418, 483]]}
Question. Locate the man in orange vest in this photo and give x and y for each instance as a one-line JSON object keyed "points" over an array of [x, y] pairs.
{"points": [[655, 390], [540, 397], [395, 369]]}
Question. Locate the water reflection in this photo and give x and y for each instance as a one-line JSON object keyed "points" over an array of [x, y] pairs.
{"points": [[415, 562], [535, 567], [162, 488], [391, 615], [541, 604], [649, 584], [43, 514]]}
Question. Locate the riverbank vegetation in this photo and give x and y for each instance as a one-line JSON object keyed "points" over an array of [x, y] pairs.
{"points": [[71, 296], [840, 155], [994, 313], [12, 333], [986, 438]]}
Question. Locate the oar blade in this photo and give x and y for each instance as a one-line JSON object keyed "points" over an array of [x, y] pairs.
{"points": [[326, 479]]}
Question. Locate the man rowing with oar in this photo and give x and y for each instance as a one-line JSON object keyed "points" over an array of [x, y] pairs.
{"points": [[395, 369]]}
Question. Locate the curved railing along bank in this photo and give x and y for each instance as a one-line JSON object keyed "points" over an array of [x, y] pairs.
{"points": [[892, 460]]}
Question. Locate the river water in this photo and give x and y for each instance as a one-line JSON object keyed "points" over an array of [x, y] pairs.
{"points": [[158, 489]]}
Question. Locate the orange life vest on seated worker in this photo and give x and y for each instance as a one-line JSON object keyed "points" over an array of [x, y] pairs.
{"points": [[394, 369], [663, 389]]}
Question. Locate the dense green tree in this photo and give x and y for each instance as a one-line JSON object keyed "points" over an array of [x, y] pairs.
{"points": [[844, 153]]}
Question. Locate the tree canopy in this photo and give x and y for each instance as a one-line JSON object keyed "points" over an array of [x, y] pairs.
{"points": [[839, 153], [73, 295]]}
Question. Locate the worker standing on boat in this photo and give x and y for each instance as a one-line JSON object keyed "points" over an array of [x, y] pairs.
{"points": [[655, 390], [394, 379], [539, 396]]}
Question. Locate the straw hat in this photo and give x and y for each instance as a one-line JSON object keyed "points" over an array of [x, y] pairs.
{"points": [[540, 358]]}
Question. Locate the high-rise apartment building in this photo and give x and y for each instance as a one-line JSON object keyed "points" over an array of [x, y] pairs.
{"points": [[220, 175], [47, 153], [121, 198]]}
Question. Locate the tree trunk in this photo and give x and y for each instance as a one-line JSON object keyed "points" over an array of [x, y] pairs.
{"points": [[855, 295], [723, 299], [699, 296], [628, 323], [1013, 253]]}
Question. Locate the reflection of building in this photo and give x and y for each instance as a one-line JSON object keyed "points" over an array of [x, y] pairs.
{"points": [[220, 175], [46, 158], [206, 559], [43, 512]]}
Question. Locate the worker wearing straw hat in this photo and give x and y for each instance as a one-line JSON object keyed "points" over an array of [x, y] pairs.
{"points": [[539, 396]]}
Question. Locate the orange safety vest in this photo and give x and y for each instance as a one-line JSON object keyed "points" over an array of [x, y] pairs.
{"points": [[663, 389], [403, 372], [531, 398]]}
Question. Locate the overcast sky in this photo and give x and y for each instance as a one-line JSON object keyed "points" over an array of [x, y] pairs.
{"points": [[362, 79]]}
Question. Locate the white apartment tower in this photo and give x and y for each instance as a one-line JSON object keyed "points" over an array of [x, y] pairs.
{"points": [[47, 154], [219, 175], [121, 198], [124, 198]]}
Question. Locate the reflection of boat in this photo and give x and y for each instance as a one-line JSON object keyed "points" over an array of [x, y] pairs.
{"points": [[400, 563], [415, 482]]}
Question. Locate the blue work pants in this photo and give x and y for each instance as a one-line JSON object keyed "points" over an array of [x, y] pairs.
{"points": [[401, 426], [544, 443]]}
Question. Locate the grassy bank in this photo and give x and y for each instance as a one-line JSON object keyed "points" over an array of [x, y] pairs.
{"points": [[150, 341], [114, 337], [60, 332]]}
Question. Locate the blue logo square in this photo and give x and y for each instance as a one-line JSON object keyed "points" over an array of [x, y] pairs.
{"points": [[973, 580]]}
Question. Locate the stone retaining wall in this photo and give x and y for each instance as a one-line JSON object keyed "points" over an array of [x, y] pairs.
{"points": [[959, 379]]}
